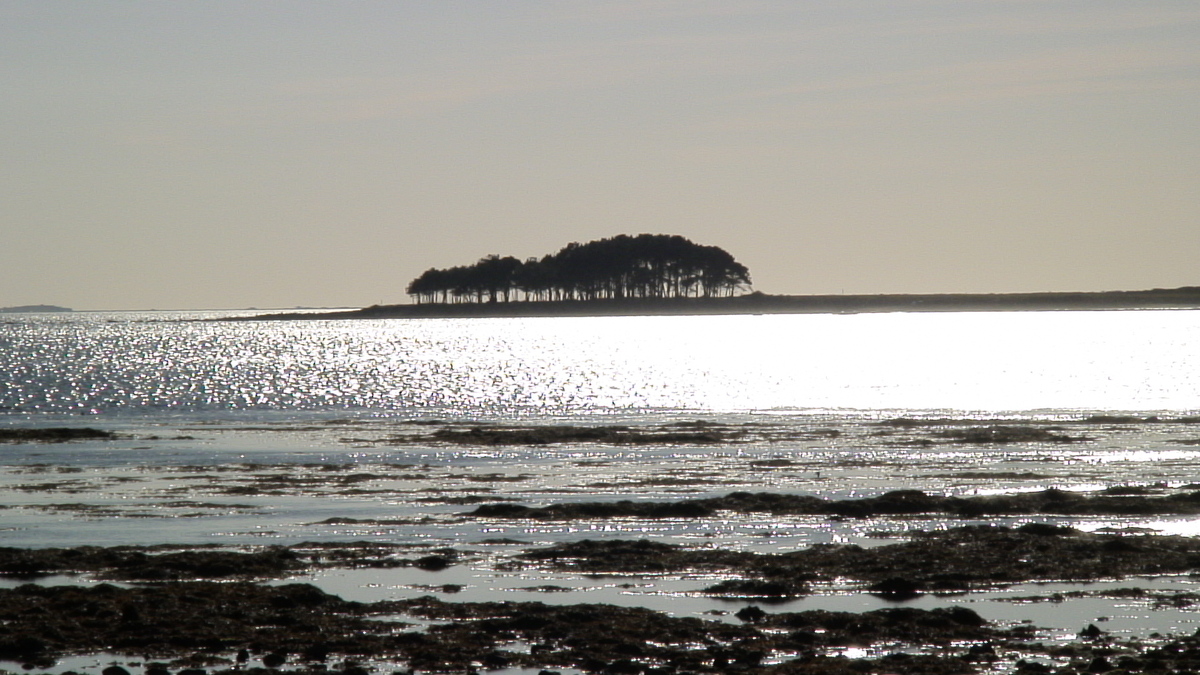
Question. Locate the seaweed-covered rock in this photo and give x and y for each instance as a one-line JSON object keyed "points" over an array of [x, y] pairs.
{"points": [[898, 502], [673, 434], [776, 589], [955, 559], [637, 555], [176, 618], [54, 435], [143, 564], [1001, 433]]}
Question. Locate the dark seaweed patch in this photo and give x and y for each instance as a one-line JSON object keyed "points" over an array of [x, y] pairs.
{"points": [[950, 560], [1119, 501], [614, 435], [202, 624], [139, 563], [1156, 599], [54, 435], [205, 622], [159, 563], [1000, 433]]}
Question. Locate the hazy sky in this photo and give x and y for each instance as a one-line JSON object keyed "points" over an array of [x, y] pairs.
{"points": [[272, 154]]}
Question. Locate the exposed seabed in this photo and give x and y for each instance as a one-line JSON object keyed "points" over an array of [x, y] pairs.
{"points": [[705, 545]]}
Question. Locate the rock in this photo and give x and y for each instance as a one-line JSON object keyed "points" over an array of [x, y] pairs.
{"points": [[759, 588], [433, 563], [1001, 433], [897, 589], [54, 435], [751, 614], [1045, 529]]}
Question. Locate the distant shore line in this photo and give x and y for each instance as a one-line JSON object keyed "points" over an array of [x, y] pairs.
{"points": [[760, 303], [34, 309]]}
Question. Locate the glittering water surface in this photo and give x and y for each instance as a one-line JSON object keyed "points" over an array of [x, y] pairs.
{"points": [[146, 363], [253, 433]]}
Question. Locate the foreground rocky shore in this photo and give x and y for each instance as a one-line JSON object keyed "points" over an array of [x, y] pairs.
{"points": [[203, 626], [206, 627], [190, 612], [929, 563]]}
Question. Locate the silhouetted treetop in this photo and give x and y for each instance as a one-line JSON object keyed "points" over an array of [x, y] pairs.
{"points": [[642, 266]]}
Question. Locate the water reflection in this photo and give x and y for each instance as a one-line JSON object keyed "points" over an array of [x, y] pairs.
{"points": [[964, 361]]}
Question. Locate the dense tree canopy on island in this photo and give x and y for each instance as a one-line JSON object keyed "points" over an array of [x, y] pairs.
{"points": [[642, 266]]}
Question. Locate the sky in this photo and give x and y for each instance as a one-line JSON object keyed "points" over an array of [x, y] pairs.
{"points": [[229, 154]]}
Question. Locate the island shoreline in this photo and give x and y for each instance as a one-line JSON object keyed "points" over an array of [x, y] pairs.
{"points": [[760, 303]]}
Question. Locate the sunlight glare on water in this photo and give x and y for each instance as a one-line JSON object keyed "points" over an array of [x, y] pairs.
{"points": [[965, 361], [983, 361]]}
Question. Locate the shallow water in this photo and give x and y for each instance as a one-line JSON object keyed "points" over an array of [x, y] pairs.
{"points": [[253, 434]]}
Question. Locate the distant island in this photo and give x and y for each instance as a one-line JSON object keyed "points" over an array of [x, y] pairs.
{"points": [[656, 274], [33, 308], [646, 266]]}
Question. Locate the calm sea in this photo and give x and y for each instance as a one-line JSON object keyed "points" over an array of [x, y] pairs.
{"points": [[135, 366], [281, 432]]}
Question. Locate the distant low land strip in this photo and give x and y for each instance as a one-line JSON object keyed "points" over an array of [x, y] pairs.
{"points": [[33, 309], [761, 303]]}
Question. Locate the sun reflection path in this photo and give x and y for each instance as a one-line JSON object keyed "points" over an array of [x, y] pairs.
{"points": [[982, 361], [1012, 361]]}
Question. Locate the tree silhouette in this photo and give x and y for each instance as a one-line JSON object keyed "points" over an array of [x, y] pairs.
{"points": [[644, 266]]}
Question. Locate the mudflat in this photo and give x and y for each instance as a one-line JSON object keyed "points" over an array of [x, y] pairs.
{"points": [[215, 610], [596, 548]]}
